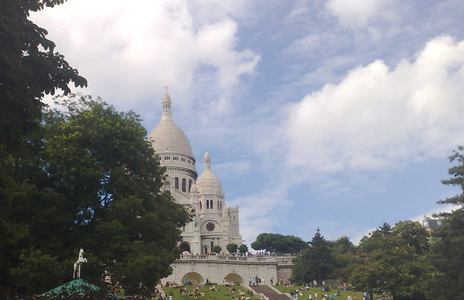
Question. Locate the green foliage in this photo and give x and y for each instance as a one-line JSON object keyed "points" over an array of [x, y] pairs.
{"points": [[30, 69], [217, 249], [393, 261], [243, 249], [89, 181], [345, 259], [36, 270], [275, 242], [232, 248], [457, 179], [315, 262], [447, 246]]}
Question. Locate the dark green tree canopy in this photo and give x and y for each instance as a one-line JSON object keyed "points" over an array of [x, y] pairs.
{"points": [[315, 262], [29, 69], [243, 249], [91, 181], [393, 260], [457, 179], [447, 246], [345, 259], [276, 242], [232, 248]]}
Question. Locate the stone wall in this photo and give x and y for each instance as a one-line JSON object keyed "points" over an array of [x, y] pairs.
{"points": [[216, 269]]}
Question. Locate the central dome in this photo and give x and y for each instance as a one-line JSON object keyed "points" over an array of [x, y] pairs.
{"points": [[167, 136]]}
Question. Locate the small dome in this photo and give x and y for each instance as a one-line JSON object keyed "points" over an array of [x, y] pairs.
{"points": [[194, 188], [208, 181]]}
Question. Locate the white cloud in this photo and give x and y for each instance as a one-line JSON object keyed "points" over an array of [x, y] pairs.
{"points": [[131, 51], [377, 118], [357, 13]]}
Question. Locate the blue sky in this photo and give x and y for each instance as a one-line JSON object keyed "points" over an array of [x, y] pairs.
{"points": [[327, 113]]}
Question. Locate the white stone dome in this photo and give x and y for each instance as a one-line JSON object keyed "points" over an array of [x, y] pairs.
{"points": [[167, 136], [194, 188], [208, 182]]}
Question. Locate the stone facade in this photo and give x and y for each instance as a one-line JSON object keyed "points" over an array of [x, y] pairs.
{"points": [[220, 268], [214, 223]]}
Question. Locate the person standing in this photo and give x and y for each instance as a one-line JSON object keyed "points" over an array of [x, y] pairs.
{"points": [[349, 297]]}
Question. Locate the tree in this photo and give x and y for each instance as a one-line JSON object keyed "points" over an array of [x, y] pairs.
{"points": [[243, 249], [393, 261], [216, 249], [232, 248], [345, 259], [275, 242], [30, 69], [92, 182], [447, 245], [315, 262]]}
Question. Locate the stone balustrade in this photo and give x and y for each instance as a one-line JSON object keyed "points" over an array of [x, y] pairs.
{"points": [[269, 259]]}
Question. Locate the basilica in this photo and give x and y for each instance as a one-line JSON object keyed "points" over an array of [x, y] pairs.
{"points": [[213, 223]]}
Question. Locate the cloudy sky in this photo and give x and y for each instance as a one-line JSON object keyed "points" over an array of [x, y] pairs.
{"points": [[326, 113]]}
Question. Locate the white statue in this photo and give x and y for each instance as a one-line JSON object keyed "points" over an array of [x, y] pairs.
{"points": [[78, 263]]}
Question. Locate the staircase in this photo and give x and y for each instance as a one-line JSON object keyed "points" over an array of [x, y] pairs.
{"points": [[270, 292]]}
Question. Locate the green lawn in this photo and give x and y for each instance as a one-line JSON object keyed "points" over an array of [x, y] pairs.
{"points": [[343, 294], [224, 293]]}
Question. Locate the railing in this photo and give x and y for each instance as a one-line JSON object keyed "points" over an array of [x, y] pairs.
{"points": [[202, 257]]}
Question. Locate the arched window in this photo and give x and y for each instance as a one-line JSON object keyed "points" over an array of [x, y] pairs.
{"points": [[200, 206], [212, 245], [211, 203], [184, 185], [190, 184], [176, 183], [207, 204], [218, 206]]}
